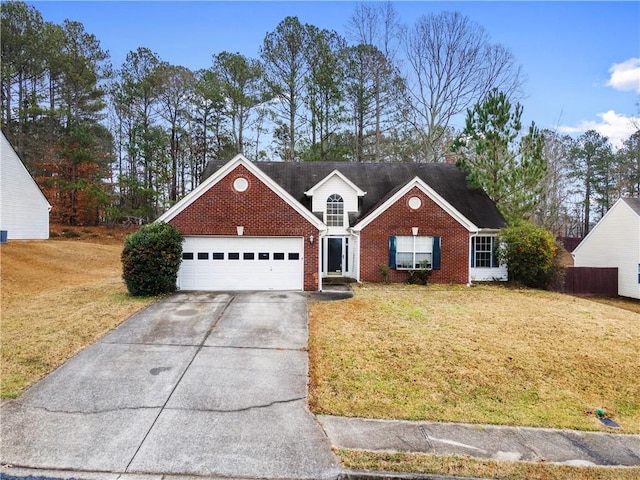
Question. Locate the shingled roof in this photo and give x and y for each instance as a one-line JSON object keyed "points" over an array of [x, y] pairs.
{"points": [[634, 203], [380, 181]]}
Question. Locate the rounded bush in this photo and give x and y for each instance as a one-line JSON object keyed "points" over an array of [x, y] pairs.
{"points": [[151, 259], [530, 255]]}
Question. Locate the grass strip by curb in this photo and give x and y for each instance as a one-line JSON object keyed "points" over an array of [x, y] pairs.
{"points": [[422, 463]]}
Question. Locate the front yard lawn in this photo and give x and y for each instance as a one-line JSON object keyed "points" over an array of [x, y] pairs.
{"points": [[57, 298], [484, 354]]}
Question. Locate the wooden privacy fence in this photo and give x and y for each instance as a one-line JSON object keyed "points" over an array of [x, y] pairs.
{"points": [[591, 281]]}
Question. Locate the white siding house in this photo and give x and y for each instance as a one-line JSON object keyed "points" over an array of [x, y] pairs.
{"points": [[24, 210], [615, 242]]}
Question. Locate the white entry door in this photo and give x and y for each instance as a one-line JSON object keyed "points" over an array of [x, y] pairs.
{"points": [[241, 263]]}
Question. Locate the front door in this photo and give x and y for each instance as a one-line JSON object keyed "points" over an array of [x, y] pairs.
{"points": [[334, 255]]}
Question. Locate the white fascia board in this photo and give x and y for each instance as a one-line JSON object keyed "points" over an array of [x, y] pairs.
{"points": [[427, 190], [223, 172], [312, 190]]}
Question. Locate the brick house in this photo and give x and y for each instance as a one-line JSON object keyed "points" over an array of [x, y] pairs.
{"points": [[288, 226]]}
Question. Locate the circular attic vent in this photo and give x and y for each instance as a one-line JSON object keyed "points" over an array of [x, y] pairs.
{"points": [[415, 203], [240, 184]]}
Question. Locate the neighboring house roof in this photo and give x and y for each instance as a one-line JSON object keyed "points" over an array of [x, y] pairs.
{"points": [[381, 181], [634, 203]]}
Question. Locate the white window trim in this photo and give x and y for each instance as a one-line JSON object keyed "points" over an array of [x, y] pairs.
{"points": [[494, 262], [415, 239], [331, 219]]}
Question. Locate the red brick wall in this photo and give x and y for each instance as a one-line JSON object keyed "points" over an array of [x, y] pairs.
{"points": [[261, 211], [431, 220]]}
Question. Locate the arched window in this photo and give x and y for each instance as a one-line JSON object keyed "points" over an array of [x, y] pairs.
{"points": [[335, 211]]}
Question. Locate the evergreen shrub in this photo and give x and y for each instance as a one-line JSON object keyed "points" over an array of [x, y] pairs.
{"points": [[530, 253], [151, 259]]}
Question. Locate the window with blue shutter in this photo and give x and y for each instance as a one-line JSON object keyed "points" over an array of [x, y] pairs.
{"points": [[414, 252], [484, 252]]}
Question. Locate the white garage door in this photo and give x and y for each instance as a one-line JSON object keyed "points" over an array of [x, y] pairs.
{"points": [[241, 263]]}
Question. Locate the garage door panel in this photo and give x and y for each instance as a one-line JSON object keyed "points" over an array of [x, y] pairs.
{"points": [[242, 263]]}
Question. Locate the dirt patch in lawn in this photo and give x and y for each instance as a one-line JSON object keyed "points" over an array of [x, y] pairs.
{"points": [[57, 298], [485, 354]]}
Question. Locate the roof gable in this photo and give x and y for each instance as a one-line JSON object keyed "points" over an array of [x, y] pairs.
{"points": [[333, 174], [225, 170], [13, 168], [427, 190], [633, 205], [380, 181]]}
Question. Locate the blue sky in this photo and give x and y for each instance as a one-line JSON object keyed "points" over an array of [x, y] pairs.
{"points": [[581, 59]]}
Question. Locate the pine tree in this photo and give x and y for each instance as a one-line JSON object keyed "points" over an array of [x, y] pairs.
{"points": [[510, 168]]}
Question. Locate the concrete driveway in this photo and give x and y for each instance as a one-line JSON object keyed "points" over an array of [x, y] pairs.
{"points": [[197, 384]]}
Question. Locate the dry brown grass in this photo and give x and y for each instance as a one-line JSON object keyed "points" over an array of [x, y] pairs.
{"points": [[57, 298], [479, 355], [470, 467], [630, 304]]}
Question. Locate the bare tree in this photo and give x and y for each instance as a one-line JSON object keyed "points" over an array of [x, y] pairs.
{"points": [[376, 24], [552, 212], [452, 66]]}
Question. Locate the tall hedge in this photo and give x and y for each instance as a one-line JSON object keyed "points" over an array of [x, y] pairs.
{"points": [[151, 258], [530, 255]]}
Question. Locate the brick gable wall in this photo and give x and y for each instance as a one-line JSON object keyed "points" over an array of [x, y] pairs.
{"points": [[261, 212], [431, 220]]}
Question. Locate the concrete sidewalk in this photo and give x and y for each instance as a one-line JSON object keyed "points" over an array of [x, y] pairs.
{"points": [[566, 447]]}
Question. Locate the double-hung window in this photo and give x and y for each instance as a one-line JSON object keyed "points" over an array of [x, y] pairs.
{"points": [[484, 253], [414, 252]]}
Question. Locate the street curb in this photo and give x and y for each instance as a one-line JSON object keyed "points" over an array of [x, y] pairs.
{"points": [[45, 474], [373, 475]]}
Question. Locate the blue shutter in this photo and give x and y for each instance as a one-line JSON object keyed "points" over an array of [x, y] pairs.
{"points": [[473, 252], [436, 253], [392, 252]]}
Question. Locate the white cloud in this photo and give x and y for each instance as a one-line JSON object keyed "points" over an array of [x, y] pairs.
{"points": [[625, 75], [616, 127]]}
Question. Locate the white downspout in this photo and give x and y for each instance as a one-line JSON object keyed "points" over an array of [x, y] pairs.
{"points": [[356, 252], [471, 237], [320, 243]]}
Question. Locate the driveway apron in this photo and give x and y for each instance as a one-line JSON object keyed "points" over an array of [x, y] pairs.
{"points": [[197, 384]]}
